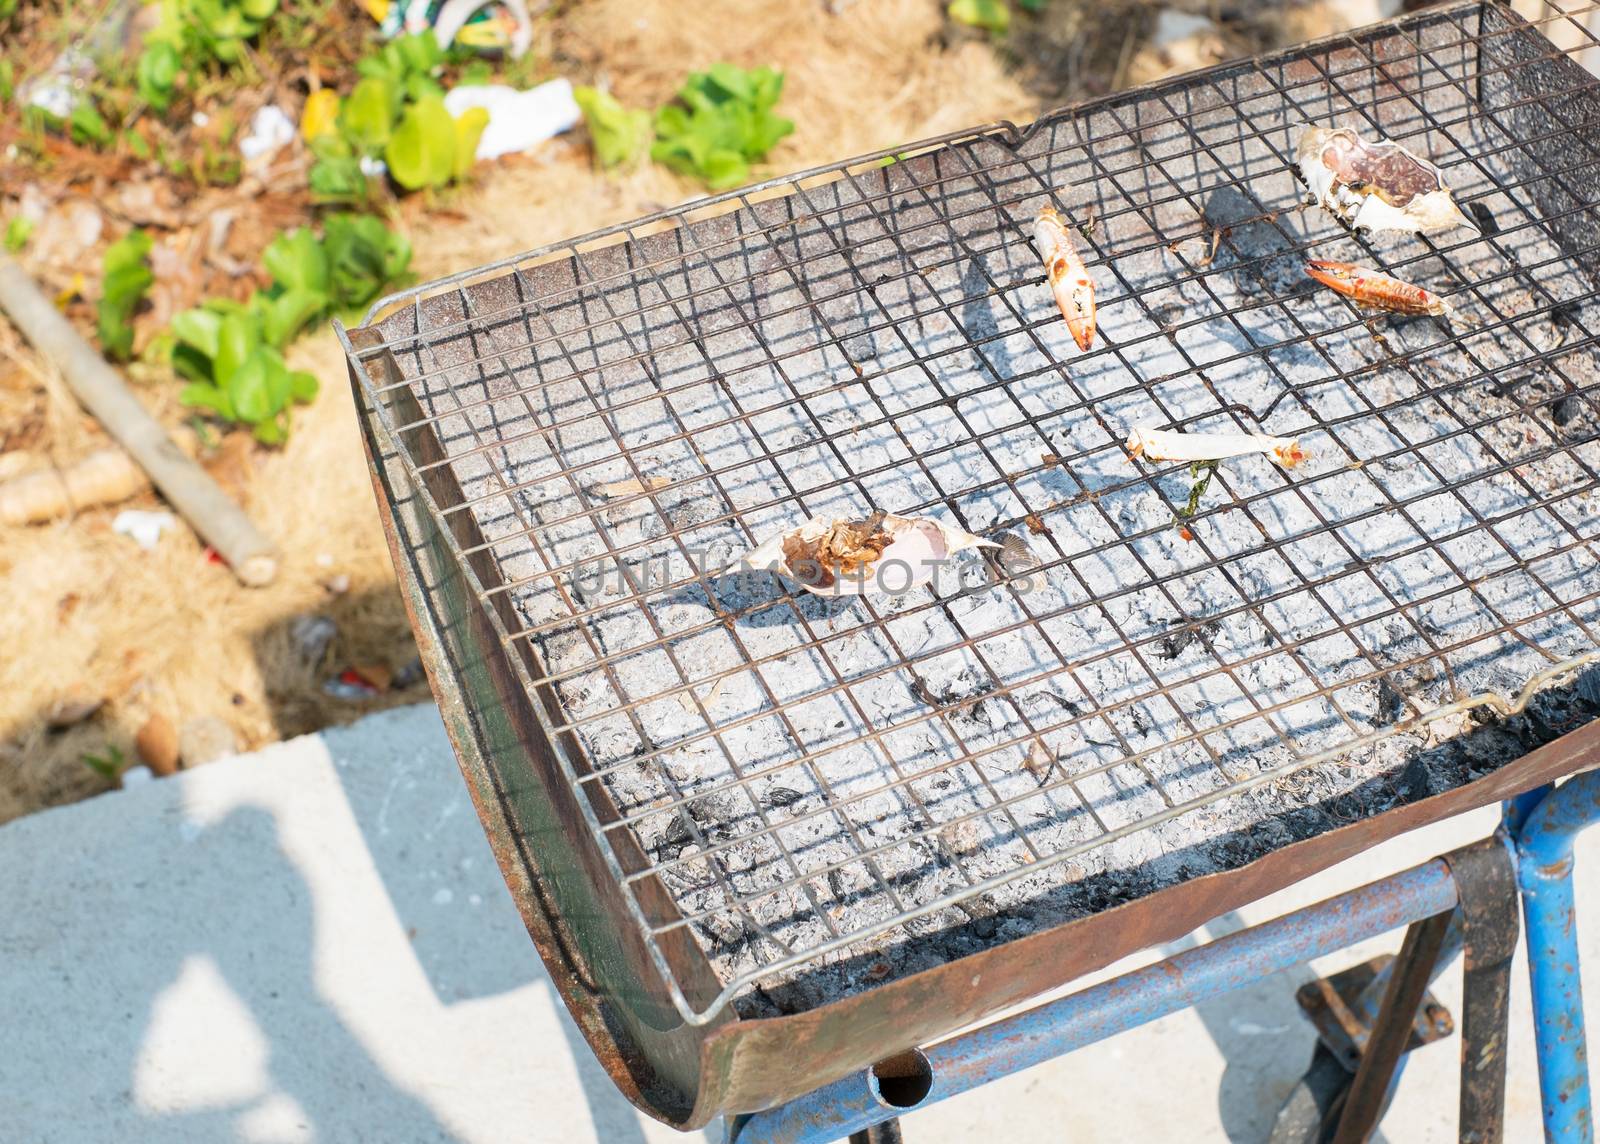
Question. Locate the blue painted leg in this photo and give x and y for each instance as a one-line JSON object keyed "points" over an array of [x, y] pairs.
{"points": [[1545, 833]]}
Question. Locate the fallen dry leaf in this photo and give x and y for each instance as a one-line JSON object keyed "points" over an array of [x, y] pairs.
{"points": [[1040, 759]]}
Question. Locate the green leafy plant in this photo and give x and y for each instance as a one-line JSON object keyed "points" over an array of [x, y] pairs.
{"points": [[617, 133], [431, 147], [233, 372], [156, 74], [367, 115], [231, 352], [87, 126], [991, 15], [213, 29], [396, 110], [336, 176], [364, 257], [722, 122], [408, 65], [127, 279], [109, 764], [193, 36], [348, 267], [18, 231]]}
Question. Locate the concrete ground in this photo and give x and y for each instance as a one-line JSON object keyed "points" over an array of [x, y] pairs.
{"points": [[313, 944]]}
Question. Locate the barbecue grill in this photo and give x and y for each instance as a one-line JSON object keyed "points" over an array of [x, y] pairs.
{"points": [[763, 839]]}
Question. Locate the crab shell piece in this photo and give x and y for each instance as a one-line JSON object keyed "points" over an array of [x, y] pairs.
{"points": [[1069, 277], [918, 548], [1376, 186]]}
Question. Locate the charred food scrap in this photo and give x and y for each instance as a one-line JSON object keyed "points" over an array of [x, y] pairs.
{"points": [[829, 556], [1377, 186]]}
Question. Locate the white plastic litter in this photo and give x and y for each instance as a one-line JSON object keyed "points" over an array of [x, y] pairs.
{"points": [[55, 96], [144, 528], [518, 120], [271, 130]]}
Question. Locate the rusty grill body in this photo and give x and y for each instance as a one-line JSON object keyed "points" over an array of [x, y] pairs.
{"points": [[762, 839]]}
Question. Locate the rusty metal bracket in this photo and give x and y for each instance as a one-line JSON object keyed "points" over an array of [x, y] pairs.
{"points": [[1486, 885], [1413, 969], [1338, 1007]]}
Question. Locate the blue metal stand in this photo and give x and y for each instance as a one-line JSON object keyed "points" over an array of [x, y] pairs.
{"points": [[1544, 828], [1540, 826]]}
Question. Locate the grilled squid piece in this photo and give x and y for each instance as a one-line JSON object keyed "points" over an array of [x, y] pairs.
{"points": [[1379, 186], [1367, 287], [828, 556], [1170, 445], [1069, 277]]}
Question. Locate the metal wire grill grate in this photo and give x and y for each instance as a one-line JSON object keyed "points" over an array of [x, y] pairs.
{"points": [[601, 426]]}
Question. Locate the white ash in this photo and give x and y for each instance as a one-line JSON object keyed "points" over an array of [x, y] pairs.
{"points": [[1156, 672]]}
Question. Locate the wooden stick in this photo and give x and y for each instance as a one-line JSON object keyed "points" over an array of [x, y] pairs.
{"points": [[186, 486]]}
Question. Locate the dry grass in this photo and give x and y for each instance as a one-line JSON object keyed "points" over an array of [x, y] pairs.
{"points": [[168, 632]]}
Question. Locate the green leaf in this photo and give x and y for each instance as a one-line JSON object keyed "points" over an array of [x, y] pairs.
{"points": [[18, 231], [237, 344], [296, 261], [272, 432], [279, 388], [126, 278], [303, 385], [88, 126], [366, 117], [469, 129], [422, 151], [617, 134], [720, 124], [204, 395], [156, 75], [199, 329], [246, 387], [724, 169], [991, 15], [1033, 5], [363, 256], [287, 314], [336, 176]]}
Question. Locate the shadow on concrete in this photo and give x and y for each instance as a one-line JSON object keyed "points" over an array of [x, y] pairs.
{"points": [[209, 961]]}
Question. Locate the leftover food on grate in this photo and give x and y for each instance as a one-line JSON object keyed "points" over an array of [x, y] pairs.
{"points": [[1375, 289], [829, 556], [1378, 186], [1153, 444], [1069, 277]]}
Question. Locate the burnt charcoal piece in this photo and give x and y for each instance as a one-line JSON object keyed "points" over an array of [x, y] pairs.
{"points": [[783, 796], [678, 834], [1565, 410], [1391, 704]]}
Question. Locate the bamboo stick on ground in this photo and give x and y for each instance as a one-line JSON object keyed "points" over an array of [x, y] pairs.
{"points": [[185, 485]]}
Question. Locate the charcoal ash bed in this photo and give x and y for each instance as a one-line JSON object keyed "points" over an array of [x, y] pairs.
{"points": [[837, 793]]}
